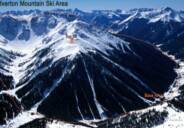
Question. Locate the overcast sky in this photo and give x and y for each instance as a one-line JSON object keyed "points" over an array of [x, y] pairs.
{"points": [[88, 5]]}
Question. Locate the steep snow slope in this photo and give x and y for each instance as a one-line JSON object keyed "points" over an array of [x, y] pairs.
{"points": [[154, 15], [6, 58], [74, 71], [149, 23], [153, 25]]}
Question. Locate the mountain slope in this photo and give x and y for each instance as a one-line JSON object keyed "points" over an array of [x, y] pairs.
{"points": [[154, 25], [175, 46], [74, 71]]}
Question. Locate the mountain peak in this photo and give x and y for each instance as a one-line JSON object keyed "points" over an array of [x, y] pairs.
{"points": [[76, 71], [168, 9]]}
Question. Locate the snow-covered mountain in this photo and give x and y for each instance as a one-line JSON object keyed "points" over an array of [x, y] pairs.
{"points": [[153, 25], [154, 15], [58, 66], [156, 26]]}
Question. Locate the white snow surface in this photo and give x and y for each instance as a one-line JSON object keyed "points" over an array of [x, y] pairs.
{"points": [[56, 124], [61, 46], [154, 15], [175, 119]]}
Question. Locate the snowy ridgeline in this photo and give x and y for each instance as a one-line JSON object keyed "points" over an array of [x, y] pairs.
{"points": [[45, 55], [24, 25]]}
